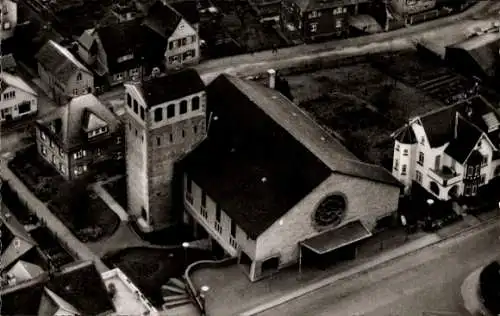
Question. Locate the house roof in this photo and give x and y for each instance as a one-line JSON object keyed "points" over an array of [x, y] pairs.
{"points": [[439, 125], [59, 61], [14, 226], [8, 61], [406, 135], [162, 18], [129, 38], [483, 50], [246, 162], [15, 81], [82, 287], [15, 250], [170, 87], [188, 10], [79, 286], [24, 270], [87, 38], [306, 5], [61, 304], [465, 140], [71, 119]]}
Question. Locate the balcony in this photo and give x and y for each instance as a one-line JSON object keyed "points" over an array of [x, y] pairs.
{"points": [[218, 227], [232, 242], [445, 176]]}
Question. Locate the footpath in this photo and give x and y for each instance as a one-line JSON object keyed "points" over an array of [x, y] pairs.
{"points": [[53, 223], [232, 294]]}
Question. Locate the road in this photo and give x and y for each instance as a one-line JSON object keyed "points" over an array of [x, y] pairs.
{"points": [[250, 65], [419, 284]]}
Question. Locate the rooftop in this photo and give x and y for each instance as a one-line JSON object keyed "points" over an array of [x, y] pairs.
{"points": [[128, 300], [15, 81]]}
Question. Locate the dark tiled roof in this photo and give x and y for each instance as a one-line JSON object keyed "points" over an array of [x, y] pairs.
{"points": [[188, 10], [83, 288], [259, 134], [23, 299], [59, 61], [170, 87], [406, 135], [243, 147], [162, 18], [126, 38], [71, 118], [466, 139], [306, 5]]}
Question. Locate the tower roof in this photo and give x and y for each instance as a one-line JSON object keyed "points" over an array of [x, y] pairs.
{"points": [[406, 135]]}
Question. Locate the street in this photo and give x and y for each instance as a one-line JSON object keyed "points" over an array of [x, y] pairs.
{"points": [[426, 282]]}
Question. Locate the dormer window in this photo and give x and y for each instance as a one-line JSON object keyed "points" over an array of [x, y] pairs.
{"points": [[125, 58]]}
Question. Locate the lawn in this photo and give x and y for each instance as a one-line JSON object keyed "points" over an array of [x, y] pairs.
{"points": [[150, 268], [360, 104], [84, 213]]}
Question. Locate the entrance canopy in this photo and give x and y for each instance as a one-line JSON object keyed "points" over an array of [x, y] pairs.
{"points": [[336, 238]]}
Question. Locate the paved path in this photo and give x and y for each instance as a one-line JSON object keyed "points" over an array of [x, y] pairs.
{"points": [[109, 200], [469, 292], [247, 64], [425, 281], [53, 223]]}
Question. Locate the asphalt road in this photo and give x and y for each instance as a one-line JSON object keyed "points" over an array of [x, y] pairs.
{"points": [[424, 283]]}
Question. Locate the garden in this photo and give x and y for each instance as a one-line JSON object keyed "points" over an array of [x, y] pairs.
{"points": [[150, 268], [51, 247], [83, 212]]}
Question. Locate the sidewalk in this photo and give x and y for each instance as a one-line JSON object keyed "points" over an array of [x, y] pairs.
{"points": [[248, 64], [109, 200], [53, 223]]}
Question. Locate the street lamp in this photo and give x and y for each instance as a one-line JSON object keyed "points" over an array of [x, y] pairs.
{"points": [[202, 295], [185, 245]]}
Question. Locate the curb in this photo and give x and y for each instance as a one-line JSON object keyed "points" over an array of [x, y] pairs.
{"points": [[318, 285]]}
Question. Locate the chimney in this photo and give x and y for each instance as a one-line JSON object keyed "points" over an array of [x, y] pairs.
{"points": [[272, 78]]}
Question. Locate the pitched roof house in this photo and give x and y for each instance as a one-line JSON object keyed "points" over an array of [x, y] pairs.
{"points": [[268, 180], [77, 290], [78, 135], [181, 35], [439, 154], [17, 98], [62, 73]]}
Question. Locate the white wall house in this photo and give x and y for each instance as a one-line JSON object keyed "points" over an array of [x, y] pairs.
{"points": [[17, 98], [8, 10], [450, 152]]}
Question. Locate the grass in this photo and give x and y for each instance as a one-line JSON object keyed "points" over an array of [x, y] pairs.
{"points": [[150, 268], [95, 222], [361, 104]]}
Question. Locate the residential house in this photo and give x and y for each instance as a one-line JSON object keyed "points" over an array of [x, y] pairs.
{"points": [[17, 98], [241, 188], [450, 152], [64, 76], [120, 51], [8, 10], [315, 19], [76, 290], [80, 137], [165, 119], [180, 36], [8, 63], [476, 56], [126, 297]]}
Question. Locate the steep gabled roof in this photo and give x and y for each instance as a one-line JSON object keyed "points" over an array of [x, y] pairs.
{"points": [[162, 18], [188, 10], [170, 87], [59, 61], [405, 135], [14, 81], [24, 271], [263, 154], [71, 118], [465, 140], [60, 304]]}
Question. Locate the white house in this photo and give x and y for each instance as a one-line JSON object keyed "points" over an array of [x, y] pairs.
{"points": [[271, 187], [8, 10], [451, 151], [17, 98]]}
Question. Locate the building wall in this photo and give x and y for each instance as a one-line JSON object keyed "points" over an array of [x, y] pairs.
{"points": [[219, 231], [367, 201], [10, 18], [184, 30], [52, 153], [76, 87], [403, 166], [325, 22], [10, 106]]}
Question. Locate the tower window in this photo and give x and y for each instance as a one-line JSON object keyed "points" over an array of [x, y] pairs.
{"points": [[421, 158], [184, 107], [136, 107], [158, 114], [171, 137], [403, 170], [158, 141], [195, 103], [170, 110], [183, 133], [195, 129]]}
